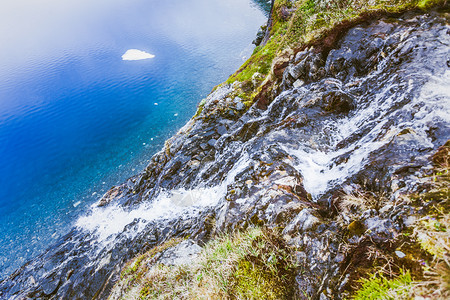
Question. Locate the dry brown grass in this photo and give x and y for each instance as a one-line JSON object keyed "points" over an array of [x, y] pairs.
{"points": [[254, 264]]}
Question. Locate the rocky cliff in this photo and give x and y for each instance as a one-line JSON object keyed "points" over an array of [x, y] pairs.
{"points": [[322, 151]]}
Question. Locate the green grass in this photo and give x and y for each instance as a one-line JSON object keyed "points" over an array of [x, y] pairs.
{"points": [[254, 264], [310, 20], [135, 270], [380, 287], [200, 107], [260, 61]]}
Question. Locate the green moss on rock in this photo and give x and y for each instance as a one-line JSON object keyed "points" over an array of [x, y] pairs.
{"points": [[254, 264], [298, 24]]}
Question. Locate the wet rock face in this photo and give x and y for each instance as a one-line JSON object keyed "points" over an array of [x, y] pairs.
{"points": [[181, 254], [365, 115]]}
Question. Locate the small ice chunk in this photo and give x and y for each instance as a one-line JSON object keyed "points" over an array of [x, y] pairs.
{"points": [[135, 54]]}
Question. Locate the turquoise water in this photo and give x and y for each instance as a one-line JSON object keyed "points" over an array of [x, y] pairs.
{"points": [[76, 119]]}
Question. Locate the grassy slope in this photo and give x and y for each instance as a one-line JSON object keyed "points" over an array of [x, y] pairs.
{"points": [[300, 24], [255, 264]]}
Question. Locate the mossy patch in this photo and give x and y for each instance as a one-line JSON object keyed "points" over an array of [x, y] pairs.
{"points": [[133, 271], [266, 274], [306, 23], [379, 286], [427, 4], [260, 61], [200, 107], [356, 228], [254, 264]]}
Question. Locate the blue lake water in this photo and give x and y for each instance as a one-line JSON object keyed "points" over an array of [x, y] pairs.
{"points": [[76, 119]]}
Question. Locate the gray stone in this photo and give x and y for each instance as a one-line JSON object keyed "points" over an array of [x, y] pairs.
{"points": [[208, 133], [379, 226], [304, 221], [212, 142], [194, 164], [240, 106], [367, 214], [221, 130], [181, 254], [130, 184], [339, 258], [298, 83], [301, 55], [400, 254], [50, 286], [296, 71]]}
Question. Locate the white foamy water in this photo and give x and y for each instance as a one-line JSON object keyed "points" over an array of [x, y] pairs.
{"points": [[135, 54], [106, 222], [318, 167], [319, 172]]}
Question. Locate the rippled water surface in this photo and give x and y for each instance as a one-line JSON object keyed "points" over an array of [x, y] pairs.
{"points": [[76, 119]]}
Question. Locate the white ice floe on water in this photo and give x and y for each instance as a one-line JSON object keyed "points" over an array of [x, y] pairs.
{"points": [[135, 54]]}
